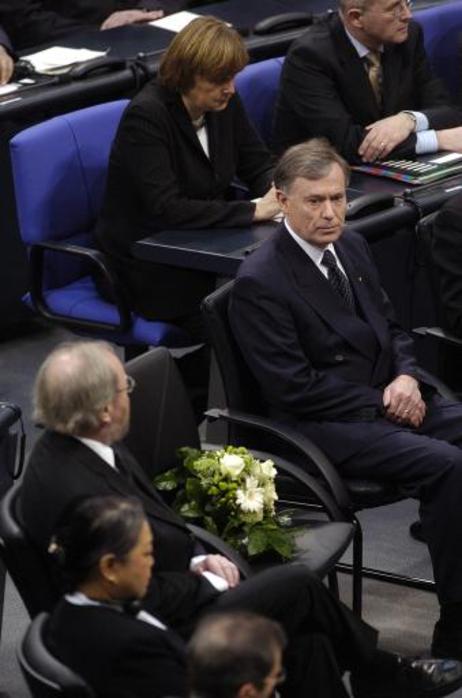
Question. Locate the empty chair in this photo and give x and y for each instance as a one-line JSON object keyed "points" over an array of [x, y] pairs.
{"points": [[258, 86]]}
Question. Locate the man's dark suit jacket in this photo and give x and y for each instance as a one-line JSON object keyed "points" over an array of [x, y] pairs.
{"points": [[159, 177], [33, 22], [325, 90], [446, 251], [117, 655], [321, 368], [61, 468]]}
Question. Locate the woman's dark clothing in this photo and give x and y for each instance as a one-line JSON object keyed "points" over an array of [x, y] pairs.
{"points": [[118, 655], [160, 177]]}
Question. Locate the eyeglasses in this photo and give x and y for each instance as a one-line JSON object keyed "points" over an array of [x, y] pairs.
{"points": [[397, 10], [129, 388]]}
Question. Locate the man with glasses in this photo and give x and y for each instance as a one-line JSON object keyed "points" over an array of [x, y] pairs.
{"points": [[360, 77]]}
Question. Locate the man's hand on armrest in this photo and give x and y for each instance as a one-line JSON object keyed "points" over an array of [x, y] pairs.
{"points": [[6, 66], [219, 565], [403, 402], [450, 139], [119, 19], [384, 135]]}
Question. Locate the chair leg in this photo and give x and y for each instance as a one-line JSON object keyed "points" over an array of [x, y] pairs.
{"points": [[357, 568], [332, 580]]}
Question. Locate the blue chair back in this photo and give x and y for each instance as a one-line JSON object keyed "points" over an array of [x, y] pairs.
{"points": [[258, 86], [59, 170], [442, 25]]}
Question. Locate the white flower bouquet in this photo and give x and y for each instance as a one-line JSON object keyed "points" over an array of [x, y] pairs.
{"points": [[231, 494]]}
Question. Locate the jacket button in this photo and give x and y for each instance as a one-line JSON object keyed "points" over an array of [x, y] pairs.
{"points": [[339, 357]]}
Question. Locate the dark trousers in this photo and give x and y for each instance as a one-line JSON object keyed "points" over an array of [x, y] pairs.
{"points": [[426, 463], [325, 638]]}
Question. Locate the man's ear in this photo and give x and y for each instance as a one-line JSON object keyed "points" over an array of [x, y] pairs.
{"points": [[354, 17], [247, 690], [105, 415], [282, 199], [107, 567]]}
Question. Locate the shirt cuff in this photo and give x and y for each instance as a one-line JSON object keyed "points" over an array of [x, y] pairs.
{"points": [[426, 142], [215, 580], [421, 121]]}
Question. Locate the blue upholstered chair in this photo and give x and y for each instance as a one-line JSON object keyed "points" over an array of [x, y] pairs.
{"points": [[442, 25], [258, 86], [59, 171]]}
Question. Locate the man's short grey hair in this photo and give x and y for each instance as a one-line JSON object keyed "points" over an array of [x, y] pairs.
{"points": [[310, 160], [72, 386]]}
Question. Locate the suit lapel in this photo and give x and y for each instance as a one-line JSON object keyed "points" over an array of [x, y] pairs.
{"points": [[356, 87], [391, 71], [180, 116], [315, 290], [126, 485], [359, 282]]}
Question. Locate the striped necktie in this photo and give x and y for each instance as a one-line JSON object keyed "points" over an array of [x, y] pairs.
{"points": [[374, 72], [338, 280]]}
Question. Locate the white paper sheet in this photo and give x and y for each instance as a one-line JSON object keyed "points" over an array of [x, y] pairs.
{"points": [[53, 59], [175, 22]]}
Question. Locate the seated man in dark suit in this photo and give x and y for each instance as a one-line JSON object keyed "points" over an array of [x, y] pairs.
{"points": [[82, 397], [361, 78], [33, 22], [319, 334]]}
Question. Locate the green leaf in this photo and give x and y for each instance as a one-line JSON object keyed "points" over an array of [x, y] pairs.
{"points": [[169, 480], [281, 542], [190, 510], [258, 541]]}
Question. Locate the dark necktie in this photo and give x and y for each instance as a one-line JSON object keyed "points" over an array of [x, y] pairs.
{"points": [[338, 280], [374, 71]]}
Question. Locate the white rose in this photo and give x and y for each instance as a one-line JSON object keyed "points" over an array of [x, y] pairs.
{"points": [[231, 465], [268, 470]]}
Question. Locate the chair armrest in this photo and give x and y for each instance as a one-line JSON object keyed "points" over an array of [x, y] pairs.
{"points": [[98, 260], [441, 387], [211, 541], [438, 333], [297, 441]]}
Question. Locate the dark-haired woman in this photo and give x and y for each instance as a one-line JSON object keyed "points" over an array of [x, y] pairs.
{"points": [[181, 143], [104, 550]]}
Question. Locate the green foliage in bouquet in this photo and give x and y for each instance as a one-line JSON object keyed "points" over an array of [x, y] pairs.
{"points": [[231, 494]]}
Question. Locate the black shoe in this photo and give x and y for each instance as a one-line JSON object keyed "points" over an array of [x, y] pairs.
{"points": [[412, 678], [447, 635], [415, 529]]}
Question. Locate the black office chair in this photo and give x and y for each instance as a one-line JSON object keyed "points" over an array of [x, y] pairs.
{"points": [[162, 421], [449, 346], [23, 562], [245, 406], [45, 675]]}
